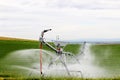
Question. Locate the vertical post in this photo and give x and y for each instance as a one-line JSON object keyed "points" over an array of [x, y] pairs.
{"points": [[41, 42], [41, 58]]}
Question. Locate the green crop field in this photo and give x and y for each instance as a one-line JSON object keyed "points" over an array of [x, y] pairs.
{"points": [[8, 45], [73, 48], [106, 56]]}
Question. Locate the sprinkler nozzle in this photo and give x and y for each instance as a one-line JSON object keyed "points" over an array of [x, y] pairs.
{"points": [[47, 30]]}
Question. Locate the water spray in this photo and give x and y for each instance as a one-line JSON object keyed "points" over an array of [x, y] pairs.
{"points": [[59, 51]]}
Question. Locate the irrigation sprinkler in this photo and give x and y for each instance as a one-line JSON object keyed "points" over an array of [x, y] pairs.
{"points": [[59, 51], [83, 48], [41, 44]]}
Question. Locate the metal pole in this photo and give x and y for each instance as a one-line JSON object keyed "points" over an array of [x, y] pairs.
{"points": [[41, 42], [41, 58]]}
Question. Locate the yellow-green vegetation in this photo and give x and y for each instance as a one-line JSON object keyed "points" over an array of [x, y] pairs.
{"points": [[57, 78], [8, 45], [9, 38], [73, 48], [76, 78], [107, 55]]}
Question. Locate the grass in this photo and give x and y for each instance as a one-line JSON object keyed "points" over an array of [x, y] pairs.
{"points": [[8, 45], [107, 55], [76, 78], [73, 48], [57, 78]]}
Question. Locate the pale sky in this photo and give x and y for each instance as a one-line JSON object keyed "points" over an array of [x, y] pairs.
{"points": [[70, 19]]}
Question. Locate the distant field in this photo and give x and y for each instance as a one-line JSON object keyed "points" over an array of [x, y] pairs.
{"points": [[73, 48], [8, 45], [9, 38], [107, 56], [12, 44]]}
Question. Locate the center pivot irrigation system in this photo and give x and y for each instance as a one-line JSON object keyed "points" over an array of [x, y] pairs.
{"points": [[59, 51]]}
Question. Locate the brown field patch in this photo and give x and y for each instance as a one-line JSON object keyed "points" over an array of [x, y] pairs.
{"points": [[10, 38]]}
